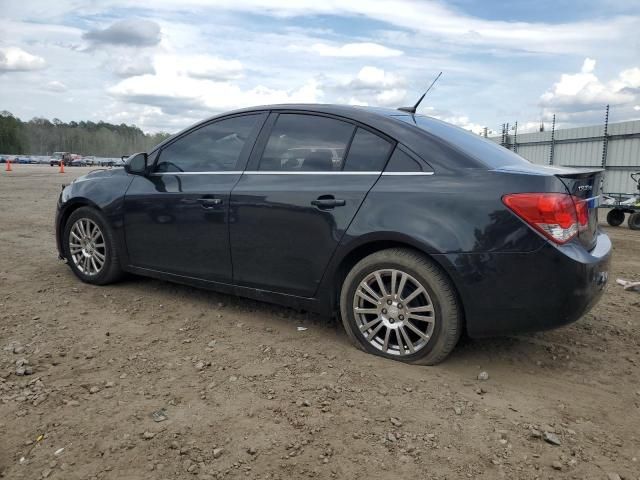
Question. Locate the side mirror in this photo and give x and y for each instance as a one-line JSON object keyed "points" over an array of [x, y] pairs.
{"points": [[136, 164]]}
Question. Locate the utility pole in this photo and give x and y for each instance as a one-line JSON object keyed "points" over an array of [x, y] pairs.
{"points": [[553, 139], [605, 138]]}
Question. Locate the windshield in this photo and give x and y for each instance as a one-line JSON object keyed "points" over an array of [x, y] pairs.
{"points": [[490, 153]]}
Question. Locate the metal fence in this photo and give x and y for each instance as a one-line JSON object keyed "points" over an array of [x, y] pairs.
{"points": [[612, 146]]}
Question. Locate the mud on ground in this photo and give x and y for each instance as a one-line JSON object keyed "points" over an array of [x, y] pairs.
{"points": [[245, 394]]}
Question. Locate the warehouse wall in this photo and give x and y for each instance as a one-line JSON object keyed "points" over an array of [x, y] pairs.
{"points": [[582, 147]]}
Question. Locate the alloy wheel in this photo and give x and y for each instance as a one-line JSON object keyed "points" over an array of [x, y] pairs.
{"points": [[87, 246], [394, 312]]}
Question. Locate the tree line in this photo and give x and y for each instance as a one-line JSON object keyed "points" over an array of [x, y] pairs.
{"points": [[39, 136]]}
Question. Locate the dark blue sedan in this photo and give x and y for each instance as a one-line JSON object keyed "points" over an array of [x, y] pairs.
{"points": [[409, 229]]}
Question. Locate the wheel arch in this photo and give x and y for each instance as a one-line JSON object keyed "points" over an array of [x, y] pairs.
{"points": [[345, 260], [71, 206]]}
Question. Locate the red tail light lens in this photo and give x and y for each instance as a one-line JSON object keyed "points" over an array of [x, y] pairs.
{"points": [[557, 216], [582, 212]]}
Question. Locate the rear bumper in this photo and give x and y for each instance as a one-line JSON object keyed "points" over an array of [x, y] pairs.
{"points": [[520, 292]]}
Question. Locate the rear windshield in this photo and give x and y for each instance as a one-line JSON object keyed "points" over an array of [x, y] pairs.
{"points": [[490, 153]]}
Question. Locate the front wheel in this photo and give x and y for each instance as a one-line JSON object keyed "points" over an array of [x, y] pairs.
{"points": [[90, 248], [398, 304], [634, 221]]}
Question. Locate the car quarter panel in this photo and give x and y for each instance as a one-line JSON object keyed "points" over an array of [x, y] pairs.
{"points": [[444, 215]]}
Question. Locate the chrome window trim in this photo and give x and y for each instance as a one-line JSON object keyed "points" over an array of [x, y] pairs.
{"points": [[225, 172], [407, 174], [277, 172]]}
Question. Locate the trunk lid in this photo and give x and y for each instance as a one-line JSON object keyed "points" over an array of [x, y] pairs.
{"points": [[585, 185]]}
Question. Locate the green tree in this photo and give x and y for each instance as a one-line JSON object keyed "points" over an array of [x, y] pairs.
{"points": [[39, 136]]}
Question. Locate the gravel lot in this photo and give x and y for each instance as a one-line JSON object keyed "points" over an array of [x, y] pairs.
{"points": [[242, 393]]}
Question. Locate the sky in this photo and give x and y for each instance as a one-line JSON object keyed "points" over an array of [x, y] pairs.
{"points": [[168, 64]]}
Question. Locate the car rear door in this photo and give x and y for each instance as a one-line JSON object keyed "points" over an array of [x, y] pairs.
{"points": [[176, 218], [307, 177]]}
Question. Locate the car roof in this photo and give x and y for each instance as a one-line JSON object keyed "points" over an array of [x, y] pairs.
{"points": [[355, 112], [385, 120], [376, 117]]}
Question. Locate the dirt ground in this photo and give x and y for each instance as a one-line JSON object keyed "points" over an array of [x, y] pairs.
{"points": [[244, 394]]}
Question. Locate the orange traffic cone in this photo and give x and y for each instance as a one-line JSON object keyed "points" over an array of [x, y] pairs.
{"points": [[61, 167], [8, 167]]}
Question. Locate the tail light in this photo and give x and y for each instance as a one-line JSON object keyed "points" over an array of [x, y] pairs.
{"points": [[557, 216]]}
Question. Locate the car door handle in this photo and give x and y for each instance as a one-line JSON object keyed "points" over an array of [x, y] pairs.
{"points": [[327, 202], [210, 202]]}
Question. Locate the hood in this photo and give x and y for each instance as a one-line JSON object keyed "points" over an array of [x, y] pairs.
{"points": [[101, 173]]}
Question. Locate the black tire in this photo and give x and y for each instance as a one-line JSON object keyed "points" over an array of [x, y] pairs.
{"points": [[110, 271], [615, 217], [448, 314], [634, 221]]}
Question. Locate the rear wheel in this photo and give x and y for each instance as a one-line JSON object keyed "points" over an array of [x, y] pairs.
{"points": [[397, 304], [90, 247], [634, 221], [615, 217]]}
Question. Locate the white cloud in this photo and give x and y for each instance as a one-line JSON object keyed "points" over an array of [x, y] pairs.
{"points": [[55, 86], [175, 90], [589, 65], [445, 22], [375, 78], [391, 98], [583, 92], [210, 67], [14, 59], [356, 102], [363, 49], [130, 67]]}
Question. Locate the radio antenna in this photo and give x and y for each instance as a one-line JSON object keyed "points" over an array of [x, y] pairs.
{"points": [[412, 110]]}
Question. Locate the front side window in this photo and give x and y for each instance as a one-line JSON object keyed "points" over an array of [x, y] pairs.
{"points": [[215, 147], [306, 143]]}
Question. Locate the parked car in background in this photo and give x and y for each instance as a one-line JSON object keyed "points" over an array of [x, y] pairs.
{"points": [[105, 162], [79, 162], [57, 157], [417, 231]]}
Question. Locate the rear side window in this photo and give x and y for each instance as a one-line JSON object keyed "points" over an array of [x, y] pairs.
{"points": [[368, 152], [216, 147], [306, 143], [403, 162]]}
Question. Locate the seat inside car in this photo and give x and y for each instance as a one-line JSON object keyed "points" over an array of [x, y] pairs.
{"points": [[318, 161]]}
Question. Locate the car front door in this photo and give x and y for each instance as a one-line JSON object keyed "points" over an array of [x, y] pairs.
{"points": [[176, 217], [303, 185]]}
